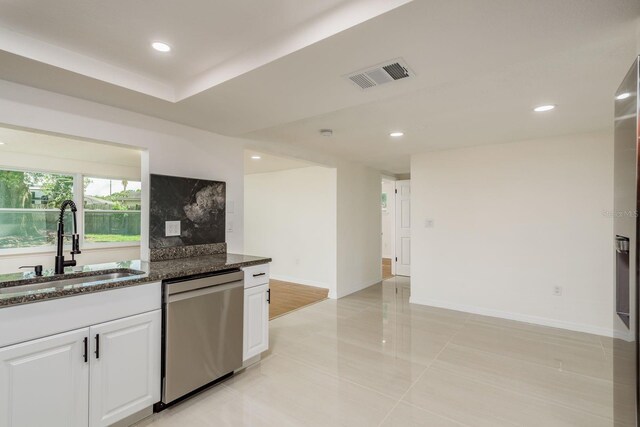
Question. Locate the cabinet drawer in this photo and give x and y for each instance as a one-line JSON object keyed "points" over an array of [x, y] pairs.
{"points": [[256, 275]]}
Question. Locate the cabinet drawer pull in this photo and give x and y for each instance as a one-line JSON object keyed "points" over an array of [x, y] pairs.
{"points": [[259, 274], [97, 346], [85, 355], [268, 296]]}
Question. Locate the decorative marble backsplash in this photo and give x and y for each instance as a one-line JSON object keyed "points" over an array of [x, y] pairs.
{"points": [[198, 204]]}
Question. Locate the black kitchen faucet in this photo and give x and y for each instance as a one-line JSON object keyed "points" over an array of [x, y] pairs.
{"points": [[75, 238]]}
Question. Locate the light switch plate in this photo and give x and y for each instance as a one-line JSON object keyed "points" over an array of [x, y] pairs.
{"points": [[171, 228], [231, 206]]}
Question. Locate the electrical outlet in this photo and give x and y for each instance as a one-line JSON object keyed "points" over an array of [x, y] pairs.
{"points": [[557, 291], [428, 223], [171, 228], [230, 226]]}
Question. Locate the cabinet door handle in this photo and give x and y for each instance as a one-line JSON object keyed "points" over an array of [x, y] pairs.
{"points": [[259, 274], [97, 346], [268, 296], [85, 355]]}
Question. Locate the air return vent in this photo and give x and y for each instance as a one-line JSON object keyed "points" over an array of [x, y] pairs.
{"points": [[386, 72]]}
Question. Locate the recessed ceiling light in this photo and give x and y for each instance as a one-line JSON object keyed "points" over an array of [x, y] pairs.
{"points": [[326, 132], [623, 96], [543, 108], [256, 157], [396, 134], [161, 47], [1, 143]]}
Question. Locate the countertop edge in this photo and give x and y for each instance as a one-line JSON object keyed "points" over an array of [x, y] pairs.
{"points": [[134, 281]]}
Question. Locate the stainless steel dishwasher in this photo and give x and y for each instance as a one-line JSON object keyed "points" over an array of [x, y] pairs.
{"points": [[203, 319]]}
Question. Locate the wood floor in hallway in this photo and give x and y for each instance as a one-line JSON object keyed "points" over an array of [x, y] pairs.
{"points": [[386, 268], [287, 297]]}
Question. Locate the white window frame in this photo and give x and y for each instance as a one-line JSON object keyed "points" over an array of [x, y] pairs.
{"points": [[78, 194]]}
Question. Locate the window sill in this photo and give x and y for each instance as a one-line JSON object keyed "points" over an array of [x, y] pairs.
{"points": [[51, 250], [109, 245]]}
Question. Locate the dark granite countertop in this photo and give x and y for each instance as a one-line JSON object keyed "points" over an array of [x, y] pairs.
{"points": [[12, 291]]}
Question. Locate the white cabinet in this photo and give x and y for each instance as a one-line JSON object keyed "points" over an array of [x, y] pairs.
{"points": [[125, 367], [256, 275], [256, 310], [92, 376], [256, 320], [45, 382]]}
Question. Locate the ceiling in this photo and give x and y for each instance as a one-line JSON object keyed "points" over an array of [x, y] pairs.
{"points": [[270, 163], [212, 41], [54, 146], [480, 67]]}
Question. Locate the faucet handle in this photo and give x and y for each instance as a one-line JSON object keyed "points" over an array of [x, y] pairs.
{"points": [[75, 244], [36, 268]]}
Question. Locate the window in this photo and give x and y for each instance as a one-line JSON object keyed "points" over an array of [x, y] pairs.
{"points": [[28, 201], [111, 210]]}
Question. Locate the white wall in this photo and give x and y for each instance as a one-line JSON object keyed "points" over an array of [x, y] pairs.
{"points": [[512, 221], [291, 215], [388, 220], [171, 149], [56, 164], [358, 215], [359, 225]]}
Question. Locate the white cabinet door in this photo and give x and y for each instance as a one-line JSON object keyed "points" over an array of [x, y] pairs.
{"points": [[403, 228], [125, 367], [256, 321], [45, 382]]}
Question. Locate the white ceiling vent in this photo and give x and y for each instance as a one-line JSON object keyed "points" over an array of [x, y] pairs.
{"points": [[386, 72]]}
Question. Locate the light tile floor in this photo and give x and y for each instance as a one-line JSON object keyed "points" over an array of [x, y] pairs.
{"points": [[373, 359]]}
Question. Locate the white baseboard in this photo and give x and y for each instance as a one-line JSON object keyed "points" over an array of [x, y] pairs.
{"points": [[554, 323]]}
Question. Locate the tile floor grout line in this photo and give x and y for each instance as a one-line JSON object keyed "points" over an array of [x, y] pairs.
{"points": [[418, 379], [532, 362], [329, 374], [496, 386], [547, 339], [542, 365], [529, 396]]}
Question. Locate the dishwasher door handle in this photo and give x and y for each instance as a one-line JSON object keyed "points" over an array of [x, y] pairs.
{"points": [[204, 291], [180, 286]]}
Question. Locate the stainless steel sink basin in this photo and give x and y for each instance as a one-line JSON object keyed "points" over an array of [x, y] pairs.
{"points": [[64, 282]]}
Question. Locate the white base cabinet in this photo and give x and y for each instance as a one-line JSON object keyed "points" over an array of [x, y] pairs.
{"points": [[256, 310], [91, 376], [125, 367], [256, 320], [45, 382]]}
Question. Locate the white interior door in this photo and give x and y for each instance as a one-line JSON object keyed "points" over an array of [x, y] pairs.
{"points": [[403, 228]]}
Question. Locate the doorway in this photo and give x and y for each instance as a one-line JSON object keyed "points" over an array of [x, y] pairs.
{"points": [[290, 216], [387, 202]]}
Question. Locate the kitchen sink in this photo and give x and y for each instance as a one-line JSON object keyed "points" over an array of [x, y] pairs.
{"points": [[64, 282]]}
